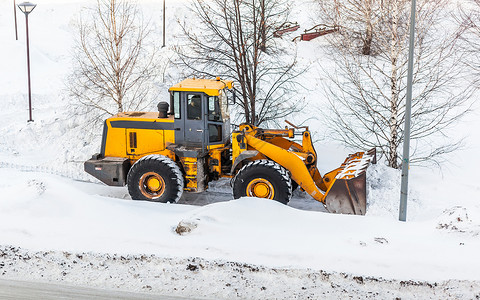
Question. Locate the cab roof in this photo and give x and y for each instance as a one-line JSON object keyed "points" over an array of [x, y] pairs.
{"points": [[210, 87]]}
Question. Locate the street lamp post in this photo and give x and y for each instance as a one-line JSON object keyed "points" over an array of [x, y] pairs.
{"points": [[26, 8], [15, 17], [163, 23], [408, 112]]}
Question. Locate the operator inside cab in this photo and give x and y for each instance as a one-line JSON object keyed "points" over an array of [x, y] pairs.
{"points": [[194, 107]]}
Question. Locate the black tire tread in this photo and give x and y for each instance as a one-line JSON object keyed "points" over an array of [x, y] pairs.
{"points": [[153, 159], [275, 167]]}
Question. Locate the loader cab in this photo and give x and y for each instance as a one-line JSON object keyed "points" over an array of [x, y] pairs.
{"points": [[200, 111]]}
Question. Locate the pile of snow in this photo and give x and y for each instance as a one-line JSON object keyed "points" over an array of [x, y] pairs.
{"points": [[84, 233], [457, 220], [383, 192], [46, 212]]}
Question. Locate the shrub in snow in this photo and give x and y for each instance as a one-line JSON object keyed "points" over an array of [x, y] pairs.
{"points": [[185, 227], [456, 219]]}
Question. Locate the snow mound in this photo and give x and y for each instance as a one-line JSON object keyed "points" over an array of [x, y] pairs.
{"points": [[457, 220], [225, 216], [383, 192], [42, 212]]}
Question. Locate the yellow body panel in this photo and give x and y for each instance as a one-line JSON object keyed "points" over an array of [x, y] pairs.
{"points": [[115, 144], [238, 146], [213, 147], [190, 167], [148, 141], [216, 154], [128, 137], [207, 86]]}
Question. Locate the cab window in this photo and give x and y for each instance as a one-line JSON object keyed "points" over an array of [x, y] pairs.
{"points": [[214, 109], [176, 105], [224, 104], [215, 133], [194, 107]]}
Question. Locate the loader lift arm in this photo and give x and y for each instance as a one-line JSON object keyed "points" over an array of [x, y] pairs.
{"points": [[342, 190]]}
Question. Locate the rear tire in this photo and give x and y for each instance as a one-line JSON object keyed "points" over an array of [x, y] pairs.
{"points": [[263, 179], [155, 178]]}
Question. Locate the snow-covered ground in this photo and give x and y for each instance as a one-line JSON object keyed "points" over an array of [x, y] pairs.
{"points": [[59, 224]]}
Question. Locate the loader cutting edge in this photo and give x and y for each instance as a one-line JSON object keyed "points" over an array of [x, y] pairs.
{"points": [[348, 193]]}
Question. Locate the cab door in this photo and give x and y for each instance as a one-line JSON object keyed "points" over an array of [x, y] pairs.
{"points": [[214, 121], [194, 121]]}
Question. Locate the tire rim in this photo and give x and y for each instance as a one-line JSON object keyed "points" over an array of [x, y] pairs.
{"points": [[152, 185], [260, 188]]}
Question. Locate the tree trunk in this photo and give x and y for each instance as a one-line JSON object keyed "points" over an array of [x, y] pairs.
{"points": [[263, 27], [394, 50], [367, 42]]}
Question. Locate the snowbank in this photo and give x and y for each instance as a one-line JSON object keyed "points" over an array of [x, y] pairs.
{"points": [[46, 212]]}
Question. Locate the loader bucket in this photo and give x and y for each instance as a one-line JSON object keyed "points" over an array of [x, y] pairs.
{"points": [[348, 196], [348, 193]]}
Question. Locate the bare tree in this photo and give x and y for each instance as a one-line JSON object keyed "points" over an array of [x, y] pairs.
{"points": [[234, 39], [367, 93], [356, 21], [469, 19], [114, 66]]}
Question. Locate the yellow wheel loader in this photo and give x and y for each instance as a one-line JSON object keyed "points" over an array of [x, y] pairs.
{"points": [[159, 155]]}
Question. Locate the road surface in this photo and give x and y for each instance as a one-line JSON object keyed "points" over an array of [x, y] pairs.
{"points": [[11, 289]]}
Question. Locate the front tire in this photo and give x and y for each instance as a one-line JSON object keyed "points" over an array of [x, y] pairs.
{"points": [[155, 178], [263, 179]]}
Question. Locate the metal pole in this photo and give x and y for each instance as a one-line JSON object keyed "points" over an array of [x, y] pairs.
{"points": [[15, 17], [28, 72], [408, 113], [163, 23]]}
